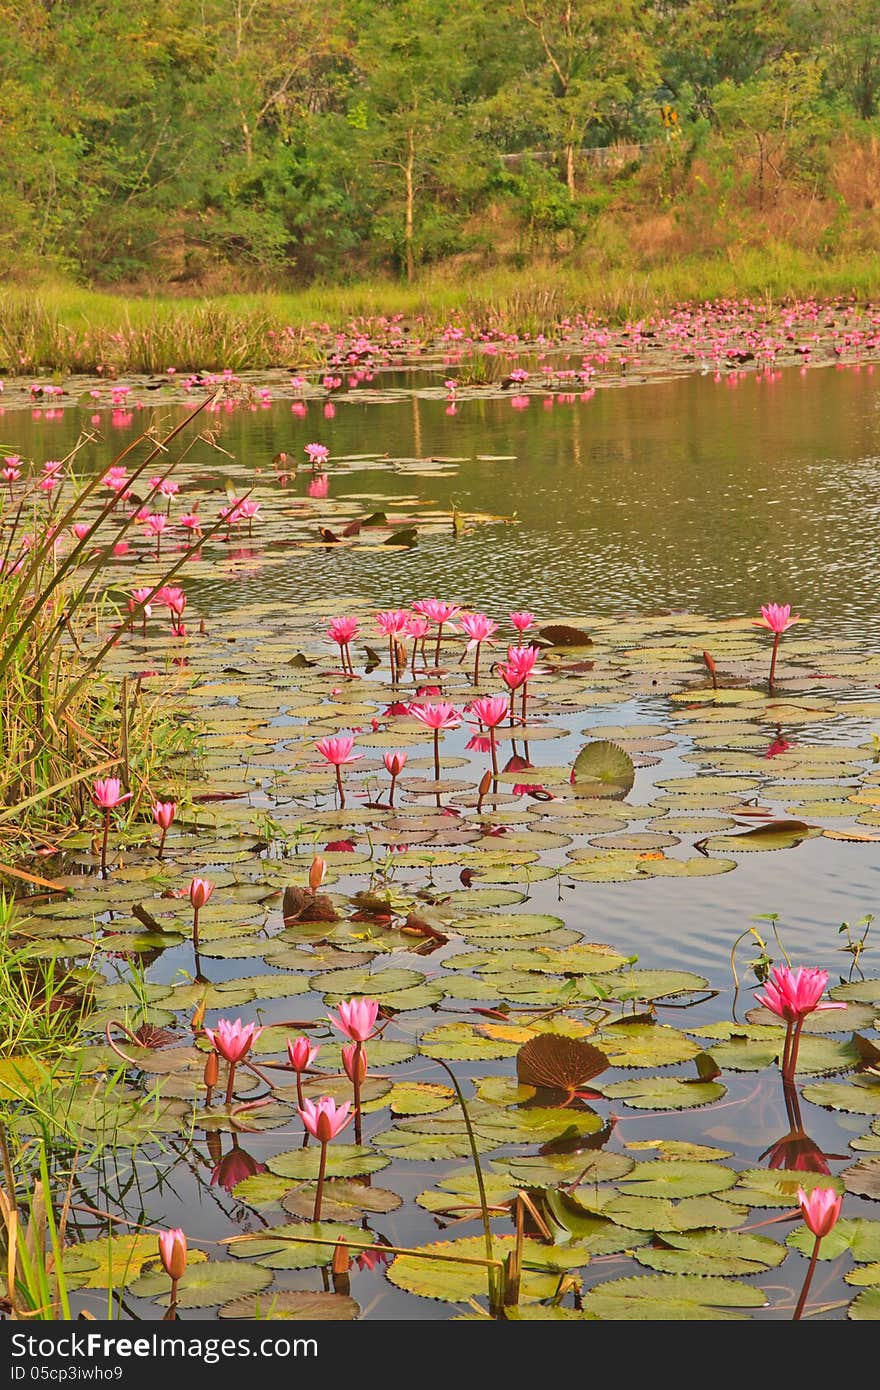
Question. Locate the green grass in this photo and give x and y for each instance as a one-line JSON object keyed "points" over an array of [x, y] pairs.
{"points": [[66, 329]]}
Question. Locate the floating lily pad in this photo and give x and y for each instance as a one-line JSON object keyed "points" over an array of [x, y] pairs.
{"points": [[204, 1285], [293, 1305], [672, 1297]]}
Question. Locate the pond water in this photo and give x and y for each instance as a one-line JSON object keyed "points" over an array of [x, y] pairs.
{"points": [[621, 511]]}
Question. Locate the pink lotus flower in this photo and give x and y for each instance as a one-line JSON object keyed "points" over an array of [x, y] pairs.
{"points": [[172, 1253], [394, 765], [324, 1119], [776, 617], [490, 710], [343, 631], [108, 794], [316, 454], [392, 622], [477, 627], [820, 1209], [233, 1040], [438, 612], [417, 627], [302, 1053], [522, 621], [192, 521], [156, 522], [80, 529], [163, 814], [200, 891], [793, 994], [436, 609], [436, 717], [354, 1061], [356, 1018], [338, 751]]}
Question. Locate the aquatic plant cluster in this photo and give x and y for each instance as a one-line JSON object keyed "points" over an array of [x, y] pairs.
{"points": [[396, 819], [518, 346]]}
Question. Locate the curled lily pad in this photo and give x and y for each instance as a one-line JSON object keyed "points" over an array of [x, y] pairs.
{"points": [[605, 769]]}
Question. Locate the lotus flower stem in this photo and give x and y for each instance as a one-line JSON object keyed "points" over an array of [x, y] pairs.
{"points": [[437, 755], [437, 650], [477, 665], [392, 660], [104, 840], [196, 930], [319, 1194], [801, 1303], [339, 786], [230, 1085], [356, 1084], [796, 1031], [776, 638], [494, 750]]}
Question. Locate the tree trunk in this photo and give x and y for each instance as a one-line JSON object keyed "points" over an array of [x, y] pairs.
{"points": [[410, 199], [569, 170]]}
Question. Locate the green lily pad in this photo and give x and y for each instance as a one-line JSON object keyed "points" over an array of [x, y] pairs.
{"points": [[343, 1161], [665, 1093], [603, 768], [204, 1285], [713, 1253], [672, 1297], [293, 1305]]}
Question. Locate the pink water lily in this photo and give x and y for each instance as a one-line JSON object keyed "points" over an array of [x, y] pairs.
{"points": [[301, 1054], [392, 624], [172, 1253], [436, 717], [343, 631], [776, 618], [338, 751], [821, 1211], [478, 628], [394, 765], [233, 1040], [323, 1120], [792, 995], [490, 711], [200, 891], [439, 612], [356, 1018], [316, 454], [354, 1062], [522, 620], [108, 794], [163, 813]]}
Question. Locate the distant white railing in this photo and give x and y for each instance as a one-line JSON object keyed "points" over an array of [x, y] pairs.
{"points": [[605, 156]]}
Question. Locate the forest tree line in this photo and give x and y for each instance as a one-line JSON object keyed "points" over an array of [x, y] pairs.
{"points": [[274, 141]]}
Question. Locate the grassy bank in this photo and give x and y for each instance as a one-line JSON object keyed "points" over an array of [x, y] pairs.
{"points": [[64, 329]]}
